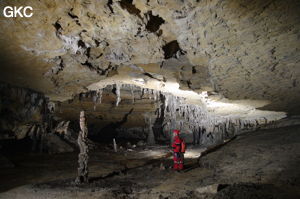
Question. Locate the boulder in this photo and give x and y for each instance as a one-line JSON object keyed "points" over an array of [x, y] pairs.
{"points": [[52, 143], [141, 143], [22, 131]]}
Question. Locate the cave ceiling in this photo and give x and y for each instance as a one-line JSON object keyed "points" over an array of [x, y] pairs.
{"points": [[230, 55]]}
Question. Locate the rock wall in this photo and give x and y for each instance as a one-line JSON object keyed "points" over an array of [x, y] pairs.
{"points": [[250, 49], [28, 114], [20, 109]]}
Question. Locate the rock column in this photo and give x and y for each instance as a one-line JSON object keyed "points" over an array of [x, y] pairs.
{"points": [[83, 153]]}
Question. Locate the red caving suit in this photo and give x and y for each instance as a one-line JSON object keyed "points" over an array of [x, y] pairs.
{"points": [[178, 149]]}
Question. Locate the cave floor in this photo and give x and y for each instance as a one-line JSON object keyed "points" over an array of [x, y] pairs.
{"points": [[261, 164]]}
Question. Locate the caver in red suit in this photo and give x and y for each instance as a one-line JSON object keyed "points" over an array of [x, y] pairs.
{"points": [[178, 149]]}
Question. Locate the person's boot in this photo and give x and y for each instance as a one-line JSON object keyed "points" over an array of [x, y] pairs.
{"points": [[175, 167], [180, 166]]}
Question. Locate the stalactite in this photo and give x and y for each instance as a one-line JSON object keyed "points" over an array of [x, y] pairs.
{"points": [[132, 93], [51, 107], [148, 121], [145, 92], [118, 93], [94, 97], [99, 96], [177, 112], [151, 95]]}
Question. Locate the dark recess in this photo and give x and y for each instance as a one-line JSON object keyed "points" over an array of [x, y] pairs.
{"points": [[107, 133], [72, 15], [109, 3], [127, 4], [81, 44], [171, 48], [57, 26], [88, 64], [158, 124], [154, 22], [194, 70]]}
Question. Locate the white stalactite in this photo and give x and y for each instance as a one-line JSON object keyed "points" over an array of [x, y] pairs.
{"points": [[132, 93], [118, 93], [177, 113], [99, 96]]}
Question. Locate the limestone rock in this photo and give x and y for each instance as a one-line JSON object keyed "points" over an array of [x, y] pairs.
{"points": [[237, 62], [20, 109], [239, 50], [21, 131], [54, 144], [209, 189]]}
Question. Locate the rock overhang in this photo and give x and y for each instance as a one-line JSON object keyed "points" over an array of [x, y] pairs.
{"points": [[241, 56]]}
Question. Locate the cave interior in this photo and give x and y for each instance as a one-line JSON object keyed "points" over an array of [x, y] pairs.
{"points": [[91, 91]]}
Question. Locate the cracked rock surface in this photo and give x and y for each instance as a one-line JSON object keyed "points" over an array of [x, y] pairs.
{"points": [[238, 52]]}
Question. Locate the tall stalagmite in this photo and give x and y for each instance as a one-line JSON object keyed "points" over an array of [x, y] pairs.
{"points": [[83, 154]]}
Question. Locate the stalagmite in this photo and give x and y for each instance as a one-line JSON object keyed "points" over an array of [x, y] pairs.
{"points": [[115, 145], [83, 153]]}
